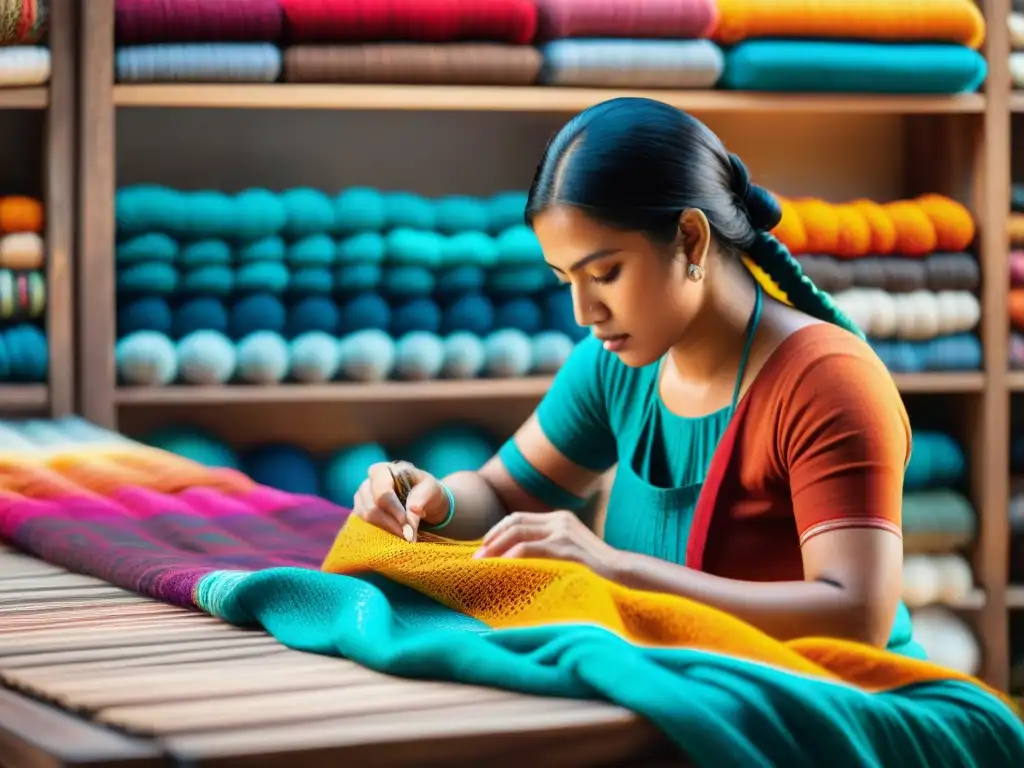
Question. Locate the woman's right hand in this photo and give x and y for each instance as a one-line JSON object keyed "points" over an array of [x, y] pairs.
{"points": [[377, 502]]}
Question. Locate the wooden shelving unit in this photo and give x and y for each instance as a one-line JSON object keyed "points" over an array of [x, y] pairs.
{"points": [[54, 105], [901, 138]]}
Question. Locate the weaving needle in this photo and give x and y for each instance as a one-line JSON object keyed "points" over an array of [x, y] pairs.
{"points": [[402, 489]]}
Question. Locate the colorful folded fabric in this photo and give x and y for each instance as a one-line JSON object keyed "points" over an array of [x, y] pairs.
{"points": [[192, 21], [22, 22], [611, 63], [680, 19], [728, 695], [198, 63]]}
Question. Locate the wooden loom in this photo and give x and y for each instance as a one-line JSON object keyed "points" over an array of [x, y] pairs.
{"points": [[95, 675]]}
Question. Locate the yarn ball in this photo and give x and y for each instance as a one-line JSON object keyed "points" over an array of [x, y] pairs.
{"points": [[464, 356], [947, 639], [262, 358], [367, 311], [937, 459], [346, 469], [147, 314], [550, 351], [415, 315], [315, 357], [315, 313], [449, 449], [199, 315], [27, 353], [285, 467], [359, 209], [206, 358], [259, 312], [306, 211], [194, 445], [419, 356], [367, 356], [508, 354], [146, 358], [472, 313]]}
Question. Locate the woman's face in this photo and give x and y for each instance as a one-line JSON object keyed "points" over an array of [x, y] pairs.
{"points": [[630, 291]]}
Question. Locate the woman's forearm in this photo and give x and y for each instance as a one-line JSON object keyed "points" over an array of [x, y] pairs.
{"points": [[477, 506], [785, 610]]}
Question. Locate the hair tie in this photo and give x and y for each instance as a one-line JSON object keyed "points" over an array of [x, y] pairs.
{"points": [[761, 207]]}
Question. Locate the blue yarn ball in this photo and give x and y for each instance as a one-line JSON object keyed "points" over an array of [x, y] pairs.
{"points": [[194, 445], [359, 209], [146, 358], [459, 213], [313, 314], [312, 251], [357, 278], [522, 314], [347, 468], [307, 211], [419, 356], [206, 358], [198, 315], [408, 210], [475, 249], [411, 248], [257, 213], [259, 312], [518, 246], [367, 356], [415, 315], [937, 460], [449, 449], [464, 356], [311, 281], [472, 313], [204, 253], [361, 248], [148, 278], [506, 209], [262, 358], [149, 314], [367, 311], [314, 357], [287, 468], [214, 280], [453, 282], [27, 353], [149, 246], [270, 248], [508, 354]]}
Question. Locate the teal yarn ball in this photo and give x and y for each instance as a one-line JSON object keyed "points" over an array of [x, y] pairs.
{"points": [[194, 445], [314, 357], [146, 207], [518, 246], [312, 251], [410, 248], [257, 213], [258, 312], [199, 315], [367, 356], [205, 213], [506, 209], [27, 354], [460, 213], [453, 282], [149, 278], [213, 280], [419, 356], [449, 449], [270, 277], [368, 311], [316, 313], [206, 358], [518, 279], [407, 282], [359, 209], [521, 313], [346, 469], [415, 315], [205, 253], [408, 210], [550, 351], [306, 212], [936, 459], [361, 248], [472, 313], [464, 356], [311, 281], [357, 278], [270, 248], [262, 358], [149, 246], [148, 314], [287, 468], [475, 249], [146, 359], [508, 354]]}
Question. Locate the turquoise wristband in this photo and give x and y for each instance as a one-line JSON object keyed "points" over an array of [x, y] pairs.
{"points": [[448, 517]]}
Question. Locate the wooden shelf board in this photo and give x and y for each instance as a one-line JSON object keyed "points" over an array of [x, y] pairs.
{"points": [[23, 397], [515, 99], [532, 387], [24, 98]]}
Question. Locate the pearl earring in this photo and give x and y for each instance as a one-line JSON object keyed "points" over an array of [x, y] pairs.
{"points": [[695, 272]]}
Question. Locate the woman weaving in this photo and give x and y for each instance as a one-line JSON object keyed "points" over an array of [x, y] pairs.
{"points": [[760, 446]]}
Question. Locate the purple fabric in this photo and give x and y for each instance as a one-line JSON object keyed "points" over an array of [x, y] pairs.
{"points": [[189, 21]]}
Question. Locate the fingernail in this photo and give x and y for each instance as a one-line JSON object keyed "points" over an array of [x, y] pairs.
{"points": [[479, 553], [408, 533]]}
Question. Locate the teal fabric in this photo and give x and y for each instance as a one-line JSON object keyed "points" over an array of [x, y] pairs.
{"points": [[720, 711], [852, 67]]}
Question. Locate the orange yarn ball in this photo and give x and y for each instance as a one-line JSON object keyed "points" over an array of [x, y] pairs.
{"points": [[20, 214], [915, 233], [883, 229], [954, 224], [821, 222], [854, 232], [790, 230]]}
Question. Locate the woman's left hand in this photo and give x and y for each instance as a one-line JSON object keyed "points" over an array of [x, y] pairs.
{"points": [[548, 535]]}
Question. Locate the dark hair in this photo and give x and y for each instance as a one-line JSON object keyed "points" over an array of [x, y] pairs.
{"points": [[636, 164]]}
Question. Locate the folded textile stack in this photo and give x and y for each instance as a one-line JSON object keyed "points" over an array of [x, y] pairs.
{"points": [[418, 42], [1016, 266], [337, 474], [1015, 28], [872, 46], [626, 44], [23, 348], [939, 522], [24, 56], [208, 41], [364, 285], [900, 270]]}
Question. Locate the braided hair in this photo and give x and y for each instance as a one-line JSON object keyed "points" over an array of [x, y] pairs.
{"points": [[636, 164]]}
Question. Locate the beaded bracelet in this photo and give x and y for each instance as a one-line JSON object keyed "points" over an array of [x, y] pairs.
{"points": [[448, 517]]}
